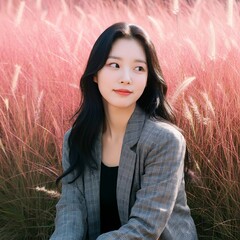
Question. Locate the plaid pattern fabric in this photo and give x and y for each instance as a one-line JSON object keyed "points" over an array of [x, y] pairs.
{"points": [[150, 189]]}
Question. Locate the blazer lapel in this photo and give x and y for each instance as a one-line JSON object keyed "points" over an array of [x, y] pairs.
{"points": [[127, 162]]}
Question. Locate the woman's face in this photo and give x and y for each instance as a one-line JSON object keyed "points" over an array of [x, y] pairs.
{"points": [[123, 78]]}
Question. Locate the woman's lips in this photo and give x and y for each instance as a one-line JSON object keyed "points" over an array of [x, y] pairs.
{"points": [[123, 92]]}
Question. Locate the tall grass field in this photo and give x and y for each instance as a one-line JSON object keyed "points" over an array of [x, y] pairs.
{"points": [[44, 45]]}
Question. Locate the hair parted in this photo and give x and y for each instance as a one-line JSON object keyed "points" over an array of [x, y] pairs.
{"points": [[90, 116]]}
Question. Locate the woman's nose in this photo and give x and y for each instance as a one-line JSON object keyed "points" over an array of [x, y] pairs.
{"points": [[126, 76]]}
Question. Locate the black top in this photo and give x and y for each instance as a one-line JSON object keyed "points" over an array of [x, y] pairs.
{"points": [[108, 202]]}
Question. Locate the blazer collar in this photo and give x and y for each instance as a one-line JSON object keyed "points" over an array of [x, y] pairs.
{"points": [[134, 127]]}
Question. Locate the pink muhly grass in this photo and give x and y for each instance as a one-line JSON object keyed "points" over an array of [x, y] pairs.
{"points": [[44, 47]]}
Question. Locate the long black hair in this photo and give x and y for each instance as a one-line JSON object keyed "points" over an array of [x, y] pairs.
{"points": [[90, 115]]}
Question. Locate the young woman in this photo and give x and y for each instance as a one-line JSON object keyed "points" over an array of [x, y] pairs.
{"points": [[123, 158]]}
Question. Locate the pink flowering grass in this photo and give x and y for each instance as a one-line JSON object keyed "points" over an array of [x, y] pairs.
{"points": [[44, 46]]}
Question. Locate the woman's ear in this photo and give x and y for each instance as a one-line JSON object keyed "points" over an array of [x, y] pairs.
{"points": [[95, 79]]}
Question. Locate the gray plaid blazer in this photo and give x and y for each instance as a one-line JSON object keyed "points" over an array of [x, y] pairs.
{"points": [[150, 189]]}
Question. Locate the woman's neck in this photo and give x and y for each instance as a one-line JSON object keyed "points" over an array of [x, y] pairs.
{"points": [[116, 120]]}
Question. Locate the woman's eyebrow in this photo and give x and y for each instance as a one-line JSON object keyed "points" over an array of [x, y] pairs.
{"points": [[136, 60]]}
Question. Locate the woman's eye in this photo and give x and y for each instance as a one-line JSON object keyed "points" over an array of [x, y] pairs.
{"points": [[139, 68], [114, 65]]}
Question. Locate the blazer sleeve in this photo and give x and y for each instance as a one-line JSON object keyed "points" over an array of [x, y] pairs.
{"points": [[70, 220], [160, 183]]}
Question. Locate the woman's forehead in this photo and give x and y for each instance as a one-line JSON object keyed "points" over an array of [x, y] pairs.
{"points": [[127, 48]]}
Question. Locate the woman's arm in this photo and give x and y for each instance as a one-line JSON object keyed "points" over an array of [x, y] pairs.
{"points": [[70, 221]]}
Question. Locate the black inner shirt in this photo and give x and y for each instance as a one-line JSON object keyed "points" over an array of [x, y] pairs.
{"points": [[108, 202]]}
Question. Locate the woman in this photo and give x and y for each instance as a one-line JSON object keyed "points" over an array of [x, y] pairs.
{"points": [[123, 159]]}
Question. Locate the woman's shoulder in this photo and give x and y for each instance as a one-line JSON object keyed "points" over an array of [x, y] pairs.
{"points": [[159, 131]]}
